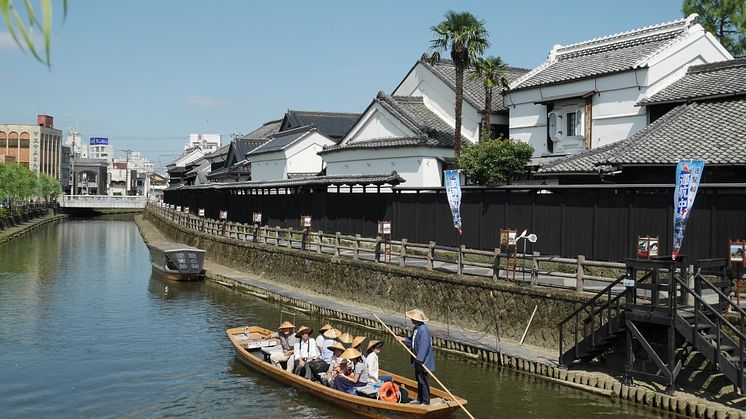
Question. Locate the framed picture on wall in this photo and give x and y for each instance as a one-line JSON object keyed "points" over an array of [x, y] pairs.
{"points": [[256, 217], [305, 221], [223, 215], [736, 250], [648, 247], [201, 212]]}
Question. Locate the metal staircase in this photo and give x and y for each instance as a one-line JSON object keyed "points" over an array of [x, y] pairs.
{"points": [[665, 300]]}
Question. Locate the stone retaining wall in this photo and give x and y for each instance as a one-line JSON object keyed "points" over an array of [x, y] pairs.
{"points": [[472, 303], [13, 232]]}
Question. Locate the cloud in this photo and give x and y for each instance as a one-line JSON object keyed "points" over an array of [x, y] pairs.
{"points": [[206, 102]]}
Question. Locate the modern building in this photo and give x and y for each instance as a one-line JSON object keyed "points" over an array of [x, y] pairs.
{"points": [[207, 142], [101, 151], [38, 147], [585, 94], [90, 176], [75, 143], [65, 172]]}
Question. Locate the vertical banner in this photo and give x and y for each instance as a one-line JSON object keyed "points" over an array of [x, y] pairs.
{"points": [[453, 191], [688, 176]]}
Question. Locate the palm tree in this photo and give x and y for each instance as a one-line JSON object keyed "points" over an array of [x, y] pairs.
{"points": [[492, 72], [466, 38]]}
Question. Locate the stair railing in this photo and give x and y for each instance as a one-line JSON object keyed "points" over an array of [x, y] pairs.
{"points": [[701, 281], [702, 308], [595, 308]]}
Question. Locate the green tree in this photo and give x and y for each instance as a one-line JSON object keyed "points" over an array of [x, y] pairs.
{"points": [[466, 38], [493, 73], [724, 18], [17, 27], [491, 162]]}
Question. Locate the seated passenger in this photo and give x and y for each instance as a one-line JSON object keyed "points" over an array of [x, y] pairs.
{"points": [[335, 362], [287, 342], [357, 343], [374, 348], [305, 351], [322, 365], [320, 337], [357, 375]]}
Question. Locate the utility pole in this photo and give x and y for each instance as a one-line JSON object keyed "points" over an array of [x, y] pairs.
{"points": [[127, 172]]}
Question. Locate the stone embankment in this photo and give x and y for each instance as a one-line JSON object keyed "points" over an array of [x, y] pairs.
{"points": [[287, 275], [11, 233]]}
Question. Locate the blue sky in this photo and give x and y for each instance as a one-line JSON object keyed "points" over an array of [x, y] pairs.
{"points": [[147, 73]]}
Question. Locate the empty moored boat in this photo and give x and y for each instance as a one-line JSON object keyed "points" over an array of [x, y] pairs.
{"points": [[177, 261], [252, 343]]}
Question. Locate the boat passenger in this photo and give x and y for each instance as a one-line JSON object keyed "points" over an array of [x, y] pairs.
{"points": [[320, 337], [335, 362], [322, 365], [357, 376], [422, 348], [346, 338], [287, 341], [357, 343], [374, 348], [305, 351]]}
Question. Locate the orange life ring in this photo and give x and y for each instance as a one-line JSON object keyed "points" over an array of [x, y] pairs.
{"points": [[389, 392]]}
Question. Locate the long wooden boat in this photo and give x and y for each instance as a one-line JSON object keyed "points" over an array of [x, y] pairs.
{"points": [[248, 342], [176, 261]]}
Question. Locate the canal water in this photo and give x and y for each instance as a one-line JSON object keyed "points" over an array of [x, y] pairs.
{"points": [[85, 331]]}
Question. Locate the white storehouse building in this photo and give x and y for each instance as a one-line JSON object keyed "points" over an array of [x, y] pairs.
{"points": [[585, 94], [288, 154]]}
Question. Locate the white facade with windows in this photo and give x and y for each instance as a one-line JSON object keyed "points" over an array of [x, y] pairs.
{"points": [[293, 154], [207, 142], [585, 95]]}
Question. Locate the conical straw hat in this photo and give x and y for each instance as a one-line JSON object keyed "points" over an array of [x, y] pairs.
{"points": [[325, 327], [346, 338], [332, 333], [336, 345], [351, 353], [373, 344], [417, 314], [357, 341], [286, 325], [303, 330]]}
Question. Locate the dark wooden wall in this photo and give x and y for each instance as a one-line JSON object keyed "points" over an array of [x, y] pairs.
{"points": [[600, 223]]}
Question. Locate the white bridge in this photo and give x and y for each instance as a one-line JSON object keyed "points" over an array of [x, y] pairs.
{"points": [[96, 202]]}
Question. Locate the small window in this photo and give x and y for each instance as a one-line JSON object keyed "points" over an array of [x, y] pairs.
{"points": [[571, 124]]}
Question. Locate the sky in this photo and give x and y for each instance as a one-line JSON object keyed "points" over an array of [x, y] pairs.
{"points": [[145, 74]]}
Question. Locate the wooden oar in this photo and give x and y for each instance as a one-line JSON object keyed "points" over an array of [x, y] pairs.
{"points": [[396, 338]]}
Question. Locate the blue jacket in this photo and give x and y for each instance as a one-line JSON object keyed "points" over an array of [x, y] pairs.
{"points": [[421, 346]]}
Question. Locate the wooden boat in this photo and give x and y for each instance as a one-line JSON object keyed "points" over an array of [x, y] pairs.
{"points": [[248, 342], [177, 261]]}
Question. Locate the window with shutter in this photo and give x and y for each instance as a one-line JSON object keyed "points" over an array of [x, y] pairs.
{"points": [[552, 121], [580, 123]]}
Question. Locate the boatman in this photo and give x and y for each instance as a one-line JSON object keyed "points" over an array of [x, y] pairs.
{"points": [[422, 348]]}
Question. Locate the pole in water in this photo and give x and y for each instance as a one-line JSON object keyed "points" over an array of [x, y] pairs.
{"points": [[396, 338]]}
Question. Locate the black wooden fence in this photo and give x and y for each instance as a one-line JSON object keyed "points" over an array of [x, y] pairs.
{"points": [[600, 222]]}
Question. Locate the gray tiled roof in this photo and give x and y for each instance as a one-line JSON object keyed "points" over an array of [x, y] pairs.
{"points": [[714, 131], [372, 179], [703, 81], [606, 55], [429, 130], [334, 125], [473, 89], [267, 129], [282, 140]]}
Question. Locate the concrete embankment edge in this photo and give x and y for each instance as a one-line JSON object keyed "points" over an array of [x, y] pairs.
{"points": [[15, 232], [682, 404]]}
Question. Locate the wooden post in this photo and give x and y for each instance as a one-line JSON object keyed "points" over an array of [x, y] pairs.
{"points": [[461, 259], [579, 284], [495, 266], [318, 247], [290, 238], [356, 247], [430, 255], [535, 268], [336, 243], [403, 253]]}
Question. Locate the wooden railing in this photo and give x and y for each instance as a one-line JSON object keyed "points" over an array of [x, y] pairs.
{"points": [[530, 268]]}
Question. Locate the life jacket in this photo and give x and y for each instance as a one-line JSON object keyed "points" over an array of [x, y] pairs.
{"points": [[389, 392]]}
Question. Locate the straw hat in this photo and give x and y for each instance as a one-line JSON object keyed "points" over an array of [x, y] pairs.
{"points": [[332, 333], [346, 338], [351, 353], [373, 344], [336, 345], [325, 327], [303, 330], [286, 325], [357, 341], [417, 315]]}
